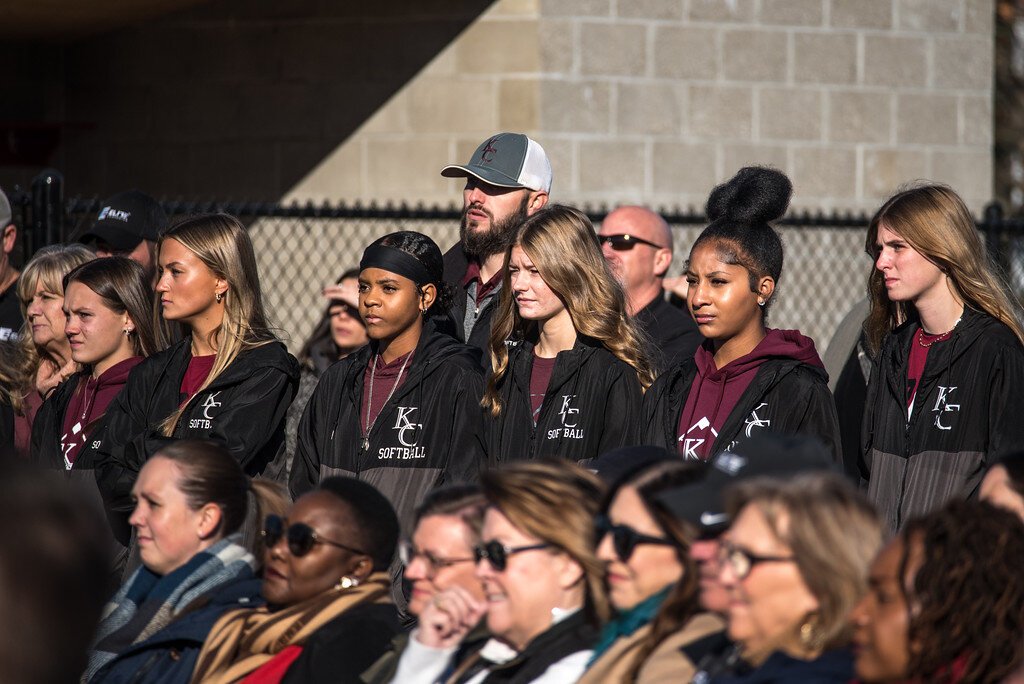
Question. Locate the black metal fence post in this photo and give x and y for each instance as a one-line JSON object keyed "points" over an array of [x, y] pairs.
{"points": [[991, 226], [47, 208]]}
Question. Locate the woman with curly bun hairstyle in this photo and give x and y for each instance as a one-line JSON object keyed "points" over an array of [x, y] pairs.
{"points": [[945, 601], [745, 377], [569, 364], [402, 413]]}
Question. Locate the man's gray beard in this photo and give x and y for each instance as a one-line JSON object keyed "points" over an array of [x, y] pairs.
{"points": [[497, 240]]}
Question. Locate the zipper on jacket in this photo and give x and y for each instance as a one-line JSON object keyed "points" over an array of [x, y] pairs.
{"points": [[906, 470]]}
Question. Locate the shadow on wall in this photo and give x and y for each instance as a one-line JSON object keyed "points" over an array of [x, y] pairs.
{"points": [[232, 99]]}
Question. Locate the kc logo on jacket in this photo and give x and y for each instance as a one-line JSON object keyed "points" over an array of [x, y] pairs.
{"points": [[206, 421], [942, 406], [691, 444], [408, 434], [755, 421], [570, 416]]}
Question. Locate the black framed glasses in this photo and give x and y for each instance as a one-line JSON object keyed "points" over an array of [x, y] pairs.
{"points": [[623, 242], [497, 553], [625, 539], [301, 538], [742, 561], [408, 552]]}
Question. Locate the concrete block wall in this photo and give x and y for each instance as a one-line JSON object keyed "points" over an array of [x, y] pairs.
{"points": [[655, 101]]}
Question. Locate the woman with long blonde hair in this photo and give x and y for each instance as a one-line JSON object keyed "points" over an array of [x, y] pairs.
{"points": [[43, 356], [229, 379], [950, 361], [569, 364]]}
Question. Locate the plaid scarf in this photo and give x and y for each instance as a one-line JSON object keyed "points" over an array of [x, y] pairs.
{"points": [[244, 640], [148, 602]]}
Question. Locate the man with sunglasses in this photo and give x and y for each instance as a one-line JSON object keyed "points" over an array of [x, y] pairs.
{"points": [[637, 244], [507, 179]]}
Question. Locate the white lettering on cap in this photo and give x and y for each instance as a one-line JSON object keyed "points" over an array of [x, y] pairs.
{"points": [[730, 463], [116, 214]]}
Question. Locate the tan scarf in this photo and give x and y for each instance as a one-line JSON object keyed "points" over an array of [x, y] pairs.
{"points": [[242, 641]]}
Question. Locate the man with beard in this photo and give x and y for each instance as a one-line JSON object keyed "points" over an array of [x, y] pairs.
{"points": [[507, 179]]}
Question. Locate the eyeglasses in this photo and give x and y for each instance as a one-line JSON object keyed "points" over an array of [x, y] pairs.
{"points": [[408, 553], [624, 242], [743, 561], [624, 538], [301, 538], [497, 553]]}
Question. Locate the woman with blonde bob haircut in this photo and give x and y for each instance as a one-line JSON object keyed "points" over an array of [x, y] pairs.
{"points": [[43, 358], [229, 379], [795, 562], [569, 364], [950, 359], [543, 583]]}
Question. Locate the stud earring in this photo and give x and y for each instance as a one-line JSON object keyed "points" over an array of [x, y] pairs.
{"points": [[220, 296], [760, 301], [128, 331], [347, 582]]}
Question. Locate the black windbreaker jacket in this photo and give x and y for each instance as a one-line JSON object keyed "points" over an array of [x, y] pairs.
{"points": [[46, 452], [48, 426], [592, 405], [786, 396], [244, 408], [968, 409], [428, 434]]}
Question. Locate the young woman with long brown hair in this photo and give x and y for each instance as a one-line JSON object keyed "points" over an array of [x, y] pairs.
{"points": [[570, 365], [942, 398]]}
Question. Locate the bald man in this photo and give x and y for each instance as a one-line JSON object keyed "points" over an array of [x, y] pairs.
{"points": [[637, 244]]}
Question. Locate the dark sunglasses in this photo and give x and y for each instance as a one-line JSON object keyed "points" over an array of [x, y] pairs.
{"points": [[301, 538], [624, 538], [497, 553], [624, 242]]}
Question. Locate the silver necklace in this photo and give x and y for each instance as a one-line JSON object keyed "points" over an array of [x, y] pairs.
{"points": [[369, 402]]}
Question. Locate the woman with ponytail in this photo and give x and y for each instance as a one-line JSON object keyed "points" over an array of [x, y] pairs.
{"points": [[745, 377], [402, 413], [198, 518], [942, 400], [229, 379], [570, 365], [109, 329]]}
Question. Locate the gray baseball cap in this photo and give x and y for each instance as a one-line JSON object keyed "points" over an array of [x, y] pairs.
{"points": [[5, 210], [507, 160]]}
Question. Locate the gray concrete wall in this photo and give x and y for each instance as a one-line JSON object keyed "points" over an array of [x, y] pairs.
{"points": [[656, 100]]}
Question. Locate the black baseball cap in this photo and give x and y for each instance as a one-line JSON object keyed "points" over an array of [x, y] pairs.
{"points": [[126, 219], [766, 455]]}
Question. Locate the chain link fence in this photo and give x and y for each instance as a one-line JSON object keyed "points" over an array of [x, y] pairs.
{"points": [[302, 248]]}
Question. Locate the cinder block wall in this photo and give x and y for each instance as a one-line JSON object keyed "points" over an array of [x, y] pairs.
{"points": [[655, 101]]}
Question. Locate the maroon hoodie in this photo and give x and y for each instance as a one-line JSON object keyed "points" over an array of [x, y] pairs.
{"points": [[89, 403], [716, 391]]}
